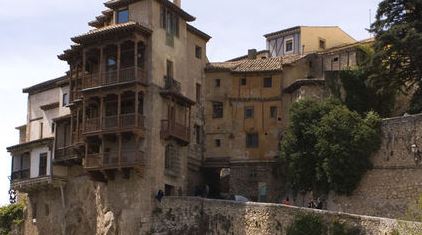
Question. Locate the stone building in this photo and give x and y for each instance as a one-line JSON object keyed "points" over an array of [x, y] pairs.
{"points": [[142, 111], [134, 113]]}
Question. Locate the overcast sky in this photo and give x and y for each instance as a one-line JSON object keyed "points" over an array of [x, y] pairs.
{"points": [[33, 33]]}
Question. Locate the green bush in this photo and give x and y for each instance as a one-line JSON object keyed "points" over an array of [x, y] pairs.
{"points": [[9, 215], [328, 147], [307, 224]]}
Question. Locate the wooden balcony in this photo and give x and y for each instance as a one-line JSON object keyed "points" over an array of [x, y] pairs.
{"points": [[172, 129], [112, 160], [117, 123], [114, 77], [21, 182], [66, 155]]}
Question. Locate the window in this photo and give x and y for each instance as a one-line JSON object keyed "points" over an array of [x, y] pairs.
{"points": [[288, 45], [217, 143], [273, 112], [198, 134], [322, 44], [65, 100], [122, 16], [243, 81], [170, 22], [53, 127], [198, 52], [43, 165], [198, 93], [169, 71], [252, 140], [249, 112], [268, 82], [335, 59], [41, 130], [217, 110], [217, 82]]}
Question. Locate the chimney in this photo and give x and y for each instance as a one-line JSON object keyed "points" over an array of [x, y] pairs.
{"points": [[178, 3], [252, 54]]}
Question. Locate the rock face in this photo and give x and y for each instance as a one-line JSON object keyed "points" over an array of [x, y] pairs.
{"points": [[202, 216], [121, 206]]}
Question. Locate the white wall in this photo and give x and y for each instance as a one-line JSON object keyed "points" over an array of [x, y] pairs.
{"points": [[35, 161]]}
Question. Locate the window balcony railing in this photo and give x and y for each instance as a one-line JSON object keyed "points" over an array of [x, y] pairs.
{"points": [[111, 160], [113, 77], [173, 129], [20, 175], [172, 85], [115, 123], [65, 154]]}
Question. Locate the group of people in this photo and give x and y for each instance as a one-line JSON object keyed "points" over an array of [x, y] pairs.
{"points": [[312, 204]]}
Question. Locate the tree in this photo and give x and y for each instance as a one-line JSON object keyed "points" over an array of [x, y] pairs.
{"points": [[397, 60], [328, 147]]}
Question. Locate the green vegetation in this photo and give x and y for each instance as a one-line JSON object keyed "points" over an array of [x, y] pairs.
{"points": [[9, 215], [396, 63], [327, 146], [306, 224]]}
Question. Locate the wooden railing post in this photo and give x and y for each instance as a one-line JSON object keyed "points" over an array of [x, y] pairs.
{"points": [[118, 62], [136, 61], [136, 108]]}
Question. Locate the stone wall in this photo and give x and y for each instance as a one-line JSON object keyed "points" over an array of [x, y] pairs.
{"points": [[178, 215]]}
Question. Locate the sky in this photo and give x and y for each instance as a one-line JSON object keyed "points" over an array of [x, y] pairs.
{"points": [[33, 33]]}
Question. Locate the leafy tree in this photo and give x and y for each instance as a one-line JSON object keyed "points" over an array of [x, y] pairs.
{"points": [[397, 60], [307, 224], [327, 146], [9, 215]]}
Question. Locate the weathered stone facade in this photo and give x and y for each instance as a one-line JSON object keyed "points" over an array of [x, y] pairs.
{"points": [[202, 216]]}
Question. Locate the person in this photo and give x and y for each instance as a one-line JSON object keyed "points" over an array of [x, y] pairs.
{"points": [[286, 201], [319, 204], [311, 204], [160, 195]]}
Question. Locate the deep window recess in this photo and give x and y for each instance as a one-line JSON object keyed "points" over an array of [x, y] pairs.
{"points": [[198, 52], [43, 165], [268, 82], [198, 93], [322, 44], [217, 110], [243, 81], [65, 99], [122, 16], [335, 59], [249, 112], [252, 140], [273, 112], [198, 134], [217, 82], [289, 45], [170, 22], [217, 143]]}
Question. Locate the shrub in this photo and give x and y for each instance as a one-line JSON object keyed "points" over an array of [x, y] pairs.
{"points": [[9, 215]]}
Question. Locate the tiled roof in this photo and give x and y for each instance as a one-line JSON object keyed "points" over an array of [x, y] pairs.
{"points": [[198, 32], [45, 85], [111, 30], [260, 65], [258, 55], [274, 64]]}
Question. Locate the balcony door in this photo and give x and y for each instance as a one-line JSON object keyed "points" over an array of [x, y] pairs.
{"points": [[43, 165]]}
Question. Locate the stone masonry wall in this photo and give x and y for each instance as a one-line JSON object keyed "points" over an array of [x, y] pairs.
{"points": [[178, 215]]}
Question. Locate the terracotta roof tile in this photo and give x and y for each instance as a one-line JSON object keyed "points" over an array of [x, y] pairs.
{"points": [[110, 30], [274, 64]]}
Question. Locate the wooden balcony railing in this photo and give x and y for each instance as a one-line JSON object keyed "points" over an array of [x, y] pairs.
{"points": [[64, 154], [77, 137], [20, 175], [111, 160], [172, 85], [113, 77], [176, 130], [116, 122]]}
